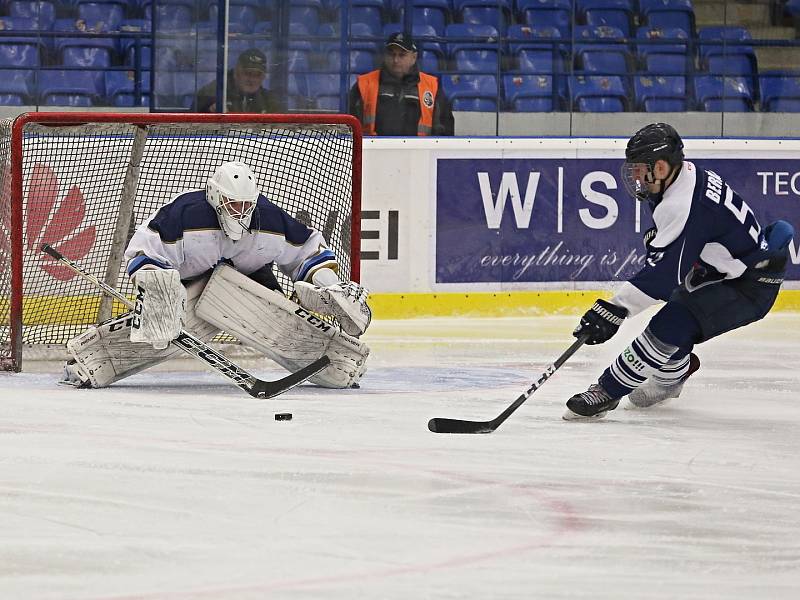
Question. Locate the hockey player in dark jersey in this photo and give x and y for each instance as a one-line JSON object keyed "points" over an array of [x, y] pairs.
{"points": [[707, 257], [204, 262]]}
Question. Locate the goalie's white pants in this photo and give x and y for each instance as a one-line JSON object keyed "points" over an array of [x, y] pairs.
{"points": [[284, 331], [259, 317]]}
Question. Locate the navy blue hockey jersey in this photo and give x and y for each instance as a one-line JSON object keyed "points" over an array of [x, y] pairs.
{"points": [[699, 219]]}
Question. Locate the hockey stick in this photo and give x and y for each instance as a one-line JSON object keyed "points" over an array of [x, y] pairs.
{"points": [[440, 425], [258, 388]]}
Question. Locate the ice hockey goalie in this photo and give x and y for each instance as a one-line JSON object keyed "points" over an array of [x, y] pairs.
{"points": [[203, 262]]}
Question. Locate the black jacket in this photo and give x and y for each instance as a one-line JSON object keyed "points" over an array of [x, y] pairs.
{"points": [[260, 102], [398, 106]]}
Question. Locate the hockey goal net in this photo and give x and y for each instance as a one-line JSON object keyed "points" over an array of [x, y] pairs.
{"points": [[82, 182]]}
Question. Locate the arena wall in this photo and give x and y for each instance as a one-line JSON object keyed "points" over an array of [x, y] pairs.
{"points": [[509, 226]]}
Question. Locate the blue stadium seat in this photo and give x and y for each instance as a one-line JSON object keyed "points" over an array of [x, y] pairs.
{"points": [[19, 52], [666, 64], [306, 12], [668, 14], [435, 13], [323, 89], [604, 63], [371, 13], [69, 88], [131, 30], [530, 93], [121, 88], [21, 24], [108, 12], [612, 13], [11, 100], [546, 13], [731, 94], [186, 84], [172, 15], [298, 56], [601, 50], [364, 56], [471, 92], [473, 48], [86, 56], [368, 12], [724, 40], [780, 91], [661, 94], [244, 14], [16, 83], [42, 13], [87, 50], [663, 51], [738, 65], [540, 56], [496, 13], [595, 93]]}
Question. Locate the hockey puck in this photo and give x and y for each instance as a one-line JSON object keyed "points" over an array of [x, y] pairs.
{"points": [[283, 416]]}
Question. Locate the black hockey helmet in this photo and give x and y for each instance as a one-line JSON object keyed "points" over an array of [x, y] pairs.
{"points": [[657, 141]]}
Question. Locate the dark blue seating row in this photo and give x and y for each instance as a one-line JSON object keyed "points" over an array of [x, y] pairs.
{"points": [[516, 92]]}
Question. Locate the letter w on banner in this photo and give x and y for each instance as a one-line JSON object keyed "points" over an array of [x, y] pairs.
{"points": [[508, 186]]}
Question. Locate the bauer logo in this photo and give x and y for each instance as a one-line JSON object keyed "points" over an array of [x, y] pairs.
{"points": [[501, 220], [51, 217]]}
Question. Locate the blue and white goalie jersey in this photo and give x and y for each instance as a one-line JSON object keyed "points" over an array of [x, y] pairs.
{"points": [[185, 235], [699, 219]]}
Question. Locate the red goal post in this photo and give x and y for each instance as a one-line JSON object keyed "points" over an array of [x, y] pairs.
{"points": [[83, 181]]}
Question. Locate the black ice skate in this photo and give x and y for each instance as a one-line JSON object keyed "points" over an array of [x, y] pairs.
{"points": [[653, 392], [594, 403]]}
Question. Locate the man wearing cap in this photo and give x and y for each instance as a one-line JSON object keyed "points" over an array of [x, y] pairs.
{"points": [[245, 93], [399, 99]]}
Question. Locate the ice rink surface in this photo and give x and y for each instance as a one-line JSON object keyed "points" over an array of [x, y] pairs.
{"points": [[175, 485]]}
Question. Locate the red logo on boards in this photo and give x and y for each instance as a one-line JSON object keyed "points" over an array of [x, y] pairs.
{"points": [[47, 223]]}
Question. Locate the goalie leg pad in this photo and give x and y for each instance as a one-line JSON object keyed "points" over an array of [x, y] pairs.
{"points": [[285, 332], [104, 353]]}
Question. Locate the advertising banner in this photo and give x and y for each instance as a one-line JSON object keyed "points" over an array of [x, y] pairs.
{"points": [[532, 220]]}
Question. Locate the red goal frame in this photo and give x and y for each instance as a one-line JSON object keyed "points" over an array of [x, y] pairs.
{"points": [[13, 362]]}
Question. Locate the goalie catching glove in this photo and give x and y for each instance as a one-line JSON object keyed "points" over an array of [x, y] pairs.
{"points": [[160, 306], [347, 301]]}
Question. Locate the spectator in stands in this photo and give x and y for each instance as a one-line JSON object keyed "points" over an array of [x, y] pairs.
{"points": [[398, 99], [245, 91]]}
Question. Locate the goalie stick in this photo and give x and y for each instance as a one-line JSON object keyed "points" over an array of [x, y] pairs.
{"points": [[441, 425], [258, 388]]}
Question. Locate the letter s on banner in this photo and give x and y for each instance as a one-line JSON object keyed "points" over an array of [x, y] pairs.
{"points": [[600, 199]]}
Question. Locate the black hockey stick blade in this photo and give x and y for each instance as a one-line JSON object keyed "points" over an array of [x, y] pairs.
{"points": [[442, 425], [270, 389]]}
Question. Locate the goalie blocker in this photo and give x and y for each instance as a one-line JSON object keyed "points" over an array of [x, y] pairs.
{"points": [[285, 332]]}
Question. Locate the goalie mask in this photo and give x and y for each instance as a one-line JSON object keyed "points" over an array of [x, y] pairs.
{"points": [[654, 142], [233, 193]]}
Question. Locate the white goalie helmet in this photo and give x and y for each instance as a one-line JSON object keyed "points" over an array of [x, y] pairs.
{"points": [[232, 192]]}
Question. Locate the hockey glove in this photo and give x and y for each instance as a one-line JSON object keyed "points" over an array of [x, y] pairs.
{"points": [[345, 301], [600, 322]]}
